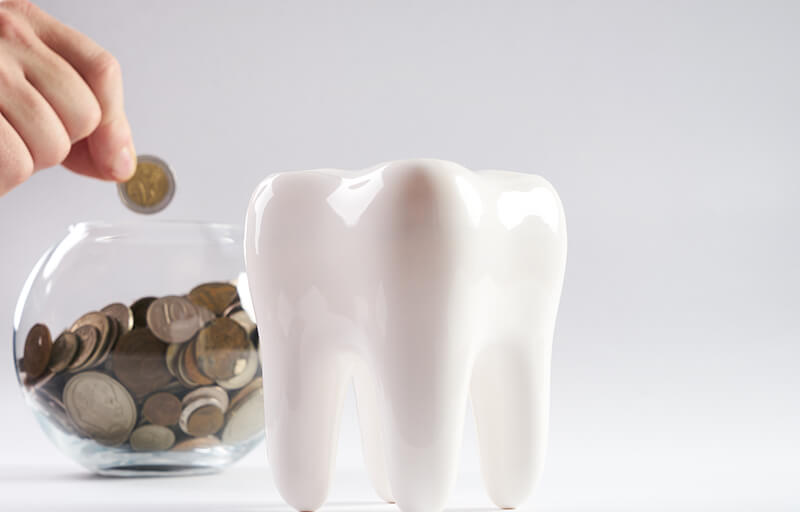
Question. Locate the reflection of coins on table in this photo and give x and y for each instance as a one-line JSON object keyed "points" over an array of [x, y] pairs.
{"points": [[38, 345], [100, 407], [173, 319], [152, 438], [151, 187]]}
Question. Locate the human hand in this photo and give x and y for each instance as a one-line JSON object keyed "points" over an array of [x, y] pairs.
{"points": [[60, 100]]}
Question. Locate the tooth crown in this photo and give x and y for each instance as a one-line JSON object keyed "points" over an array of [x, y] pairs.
{"points": [[425, 283]]}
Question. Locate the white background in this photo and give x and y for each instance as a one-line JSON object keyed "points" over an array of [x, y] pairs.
{"points": [[670, 129]]}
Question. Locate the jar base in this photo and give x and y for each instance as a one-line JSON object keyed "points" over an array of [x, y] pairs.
{"points": [[156, 470]]}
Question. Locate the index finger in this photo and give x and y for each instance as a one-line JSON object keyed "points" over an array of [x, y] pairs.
{"points": [[102, 73]]}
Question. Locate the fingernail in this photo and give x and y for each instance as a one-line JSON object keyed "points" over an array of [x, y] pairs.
{"points": [[123, 166]]}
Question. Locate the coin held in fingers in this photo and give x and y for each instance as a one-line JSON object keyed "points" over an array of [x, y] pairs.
{"points": [[151, 187]]}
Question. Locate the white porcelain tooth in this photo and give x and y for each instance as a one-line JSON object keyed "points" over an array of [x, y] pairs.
{"points": [[425, 282]]}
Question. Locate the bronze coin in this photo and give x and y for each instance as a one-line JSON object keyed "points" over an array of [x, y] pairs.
{"points": [[173, 319], [97, 320], [122, 314], [139, 311], [64, 350], [191, 370], [38, 345], [139, 362], [196, 443], [205, 420], [104, 351], [171, 358], [88, 337], [233, 308], [162, 409], [222, 349], [214, 296]]}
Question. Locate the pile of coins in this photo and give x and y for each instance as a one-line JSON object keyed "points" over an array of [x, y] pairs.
{"points": [[169, 373]]}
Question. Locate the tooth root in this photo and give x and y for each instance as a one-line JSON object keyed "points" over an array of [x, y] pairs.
{"points": [[510, 399], [423, 399], [372, 436], [304, 390]]}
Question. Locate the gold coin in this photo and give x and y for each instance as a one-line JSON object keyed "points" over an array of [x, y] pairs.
{"points": [[151, 187]]}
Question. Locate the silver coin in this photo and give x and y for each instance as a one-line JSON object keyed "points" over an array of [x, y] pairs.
{"points": [[152, 438], [151, 188], [191, 407], [215, 392], [173, 319], [248, 372], [100, 407], [245, 419]]}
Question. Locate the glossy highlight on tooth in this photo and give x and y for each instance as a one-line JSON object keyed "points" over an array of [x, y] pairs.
{"points": [[426, 285]]}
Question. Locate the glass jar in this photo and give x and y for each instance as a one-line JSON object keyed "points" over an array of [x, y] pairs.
{"points": [[135, 348]]}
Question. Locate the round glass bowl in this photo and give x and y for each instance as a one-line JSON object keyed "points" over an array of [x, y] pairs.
{"points": [[135, 349]]}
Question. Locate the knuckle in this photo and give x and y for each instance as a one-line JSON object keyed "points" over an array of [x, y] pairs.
{"points": [[13, 28], [105, 68], [54, 152], [85, 120]]}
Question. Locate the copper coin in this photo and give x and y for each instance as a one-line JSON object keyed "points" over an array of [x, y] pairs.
{"points": [[38, 345], [122, 314], [173, 319], [88, 337], [197, 443], [139, 311], [214, 296], [162, 409], [222, 349], [64, 350], [191, 370], [139, 362], [108, 345], [202, 417]]}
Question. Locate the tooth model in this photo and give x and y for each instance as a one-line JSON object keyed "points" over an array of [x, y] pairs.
{"points": [[424, 283]]}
